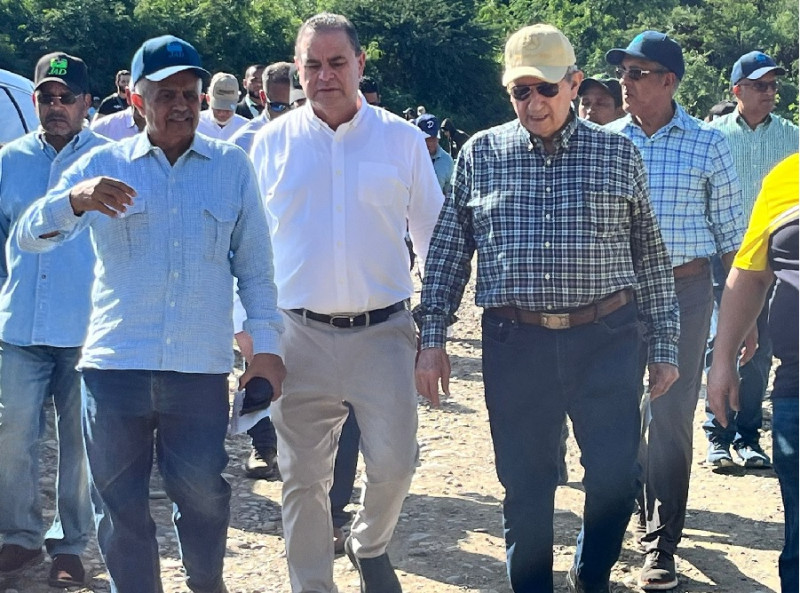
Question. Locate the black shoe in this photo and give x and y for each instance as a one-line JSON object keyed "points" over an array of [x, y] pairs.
{"points": [[658, 572], [377, 574], [66, 571], [574, 584], [15, 559], [262, 465], [752, 455]]}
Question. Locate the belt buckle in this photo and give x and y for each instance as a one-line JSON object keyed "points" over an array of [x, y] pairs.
{"points": [[348, 318], [555, 320]]}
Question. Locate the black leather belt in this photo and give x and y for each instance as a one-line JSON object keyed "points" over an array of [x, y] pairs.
{"points": [[346, 321]]}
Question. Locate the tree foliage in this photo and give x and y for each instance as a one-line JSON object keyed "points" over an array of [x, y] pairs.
{"points": [[444, 54]]}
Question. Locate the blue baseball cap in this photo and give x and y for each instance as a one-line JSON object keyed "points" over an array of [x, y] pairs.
{"points": [[654, 46], [428, 123], [161, 57], [753, 66]]}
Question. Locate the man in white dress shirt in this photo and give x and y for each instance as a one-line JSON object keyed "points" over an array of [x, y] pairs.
{"points": [[220, 120], [338, 218]]}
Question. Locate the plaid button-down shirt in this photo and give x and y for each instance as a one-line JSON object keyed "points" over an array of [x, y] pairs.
{"points": [[553, 231]]}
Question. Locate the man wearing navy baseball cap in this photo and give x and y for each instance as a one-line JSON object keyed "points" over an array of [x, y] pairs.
{"points": [[442, 161], [695, 193], [174, 217]]}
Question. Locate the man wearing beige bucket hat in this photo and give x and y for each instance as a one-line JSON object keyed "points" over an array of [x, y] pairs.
{"points": [[559, 211]]}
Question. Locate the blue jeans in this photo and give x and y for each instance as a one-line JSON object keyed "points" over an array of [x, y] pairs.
{"points": [[744, 425], [28, 376], [187, 417], [785, 460], [344, 470], [534, 376]]}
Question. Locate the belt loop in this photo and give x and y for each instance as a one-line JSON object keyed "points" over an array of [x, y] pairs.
{"points": [[595, 311], [305, 317], [516, 315], [366, 319]]}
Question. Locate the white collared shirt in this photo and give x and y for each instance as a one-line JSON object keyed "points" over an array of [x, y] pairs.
{"points": [[208, 127], [116, 126], [337, 204]]}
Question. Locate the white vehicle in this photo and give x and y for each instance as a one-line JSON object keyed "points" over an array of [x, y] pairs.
{"points": [[17, 114]]}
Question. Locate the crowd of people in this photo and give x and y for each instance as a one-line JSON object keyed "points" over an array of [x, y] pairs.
{"points": [[603, 217]]}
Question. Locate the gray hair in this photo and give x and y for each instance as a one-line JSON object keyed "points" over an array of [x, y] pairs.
{"points": [[143, 84], [326, 22]]}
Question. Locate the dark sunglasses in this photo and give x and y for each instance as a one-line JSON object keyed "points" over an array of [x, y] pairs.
{"points": [[277, 107], [66, 99], [521, 92], [636, 73], [761, 86]]}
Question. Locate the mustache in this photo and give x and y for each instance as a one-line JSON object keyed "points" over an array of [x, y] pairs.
{"points": [[54, 118]]}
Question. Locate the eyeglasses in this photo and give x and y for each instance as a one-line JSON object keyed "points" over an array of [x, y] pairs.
{"points": [[636, 73], [65, 99], [277, 107], [762, 87], [522, 92]]}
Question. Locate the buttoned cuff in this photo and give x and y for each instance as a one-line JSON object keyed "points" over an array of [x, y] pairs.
{"points": [[662, 351], [434, 331]]}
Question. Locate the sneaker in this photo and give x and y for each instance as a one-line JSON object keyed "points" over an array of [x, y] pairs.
{"points": [[575, 585], [376, 574], [14, 559], [262, 465], [719, 455], [658, 572], [753, 456]]}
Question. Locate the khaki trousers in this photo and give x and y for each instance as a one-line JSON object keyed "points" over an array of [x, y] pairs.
{"points": [[372, 368]]}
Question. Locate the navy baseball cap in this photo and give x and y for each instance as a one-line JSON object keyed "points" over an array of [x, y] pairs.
{"points": [[429, 124], [653, 46], [64, 68], [608, 84], [753, 66], [161, 57]]}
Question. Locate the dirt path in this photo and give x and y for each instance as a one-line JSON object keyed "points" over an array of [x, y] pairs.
{"points": [[449, 537]]}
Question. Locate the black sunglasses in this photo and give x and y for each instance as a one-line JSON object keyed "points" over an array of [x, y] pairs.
{"points": [[761, 86], [277, 107], [521, 92], [66, 99], [636, 73]]}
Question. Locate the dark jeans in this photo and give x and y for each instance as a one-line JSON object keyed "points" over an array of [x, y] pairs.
{"points": [[534, 376], [263, 435], [744, 425], [344, 470], [187, 417], [785, 460]]}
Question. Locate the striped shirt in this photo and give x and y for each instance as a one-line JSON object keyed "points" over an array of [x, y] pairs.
{"points": [[693, 186], [553, 231], [163, 293], [756, 152]]}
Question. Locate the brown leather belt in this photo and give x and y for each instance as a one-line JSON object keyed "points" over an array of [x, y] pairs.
{"points": [[581, 316], [691, 268]]}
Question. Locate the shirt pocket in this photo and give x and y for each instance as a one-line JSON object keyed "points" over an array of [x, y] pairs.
{"points": [[219, 218], [379, 184], [608, 212], [135, 234]]}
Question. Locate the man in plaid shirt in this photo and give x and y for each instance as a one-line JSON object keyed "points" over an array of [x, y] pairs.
{"points": [[570, 264]]}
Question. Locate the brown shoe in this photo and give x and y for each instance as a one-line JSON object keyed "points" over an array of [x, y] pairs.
{"points": [[14, 559]]}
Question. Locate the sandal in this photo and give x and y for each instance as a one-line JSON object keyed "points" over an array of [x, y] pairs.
{"points": [[66, 571]]}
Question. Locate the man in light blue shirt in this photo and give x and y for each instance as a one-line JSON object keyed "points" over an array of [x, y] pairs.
{"points": [[442, 162], [44, 312], [696, 197], [174, 217], [758, 140], [275, 96]]}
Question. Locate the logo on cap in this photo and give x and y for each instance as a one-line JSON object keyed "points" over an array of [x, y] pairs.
{"points": [[175, 50], [58, 67]]}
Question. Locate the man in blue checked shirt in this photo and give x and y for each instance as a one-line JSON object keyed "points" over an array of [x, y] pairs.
{"points": [[174, 216], [696, 197], [44, 311], [558, 211]]}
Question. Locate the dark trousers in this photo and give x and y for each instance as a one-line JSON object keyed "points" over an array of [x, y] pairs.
{"points": [[534, 376], [785, 459], [744, 425], [344, 470], [667, 451]]}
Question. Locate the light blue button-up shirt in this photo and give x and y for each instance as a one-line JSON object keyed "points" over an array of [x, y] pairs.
{"points": [[162, 297], [244, 136], [756, 152], [694, 189], [44, 299]]}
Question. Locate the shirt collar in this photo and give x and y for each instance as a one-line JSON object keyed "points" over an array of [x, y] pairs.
{"points": [[561, 138], [76, 143], [740, 121], [359, 117], [680, 119], [142, 146]]}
